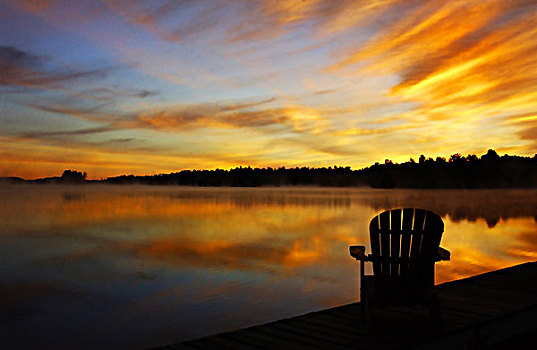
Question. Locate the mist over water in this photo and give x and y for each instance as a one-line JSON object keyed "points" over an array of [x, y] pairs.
{"points": [[133, 266]]}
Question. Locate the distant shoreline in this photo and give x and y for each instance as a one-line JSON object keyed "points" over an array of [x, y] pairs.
{"points": [[458, 172]]}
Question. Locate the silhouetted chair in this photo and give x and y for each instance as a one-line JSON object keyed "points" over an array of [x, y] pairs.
{"points": [[405, 244]]}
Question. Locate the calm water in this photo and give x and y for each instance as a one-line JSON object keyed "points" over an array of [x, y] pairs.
{"points": [[132, 267]]}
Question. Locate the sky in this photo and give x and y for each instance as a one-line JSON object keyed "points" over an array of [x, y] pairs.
{"points": [[145, 87]]}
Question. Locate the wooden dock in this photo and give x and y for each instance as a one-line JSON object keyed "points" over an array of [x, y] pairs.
{"points": [[478, 312]]}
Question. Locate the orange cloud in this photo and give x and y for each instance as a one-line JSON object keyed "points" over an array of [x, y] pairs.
{"points": [[464, 62], [400, 78], [193, 116]]}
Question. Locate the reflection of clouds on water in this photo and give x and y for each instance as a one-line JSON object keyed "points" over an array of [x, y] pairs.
{"points": [[471, 205], [189, 257], [97, 202], [261, 229], [526, 245], [262, 255]]}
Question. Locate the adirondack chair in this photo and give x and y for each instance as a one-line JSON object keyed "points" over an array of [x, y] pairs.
{"points": [[405, 245]]}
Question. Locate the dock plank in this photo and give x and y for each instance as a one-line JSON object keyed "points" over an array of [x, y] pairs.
{"points": [[478, 311]]}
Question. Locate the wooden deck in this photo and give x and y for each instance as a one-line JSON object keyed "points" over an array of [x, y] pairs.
{"points": [[478, 312]]}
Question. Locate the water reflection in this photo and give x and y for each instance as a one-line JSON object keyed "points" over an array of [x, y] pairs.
{"points": [[142, 266]]}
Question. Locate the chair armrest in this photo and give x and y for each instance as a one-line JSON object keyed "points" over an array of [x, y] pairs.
{"points": [[443, 254], [358, 252]]}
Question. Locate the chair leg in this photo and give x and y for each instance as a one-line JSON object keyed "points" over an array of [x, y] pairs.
{"points": [[366, 311], [435, 314], [364, 300]]}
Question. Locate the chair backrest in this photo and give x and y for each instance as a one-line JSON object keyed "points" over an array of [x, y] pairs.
{"points": [[404, 244]]}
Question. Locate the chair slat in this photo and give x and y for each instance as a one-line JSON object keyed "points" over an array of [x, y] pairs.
{"points": [[374, 233], [419, 218], [395, 240], [385, 241], [406, 234]]}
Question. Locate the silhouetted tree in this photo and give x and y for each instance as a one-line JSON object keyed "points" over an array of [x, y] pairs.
{"points": [[422, 159], [73, 177]]}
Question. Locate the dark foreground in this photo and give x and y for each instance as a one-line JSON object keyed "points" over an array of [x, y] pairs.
{"points": [[483, 311]]}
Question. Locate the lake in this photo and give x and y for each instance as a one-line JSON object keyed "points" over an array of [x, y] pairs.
{"points": [[100, 266]]}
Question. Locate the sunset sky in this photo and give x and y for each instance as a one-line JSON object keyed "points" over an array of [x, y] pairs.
{"points": [[143, 87]]}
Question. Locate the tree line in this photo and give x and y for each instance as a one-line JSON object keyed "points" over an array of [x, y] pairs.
{"points": [[458, 171], [488, 171], [249, 177]]}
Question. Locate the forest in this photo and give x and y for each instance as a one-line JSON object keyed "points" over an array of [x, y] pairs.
{"points": [[488, 171]]}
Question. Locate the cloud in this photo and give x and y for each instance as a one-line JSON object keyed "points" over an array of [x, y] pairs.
{"points": [[94, 114], [23, 72], [19, 68], [12, 57], [35, 5], [325, 92], [239, 21], [45, 134], [113, 93], [400, 77], [248, 132], [372, 131], [196, 17], [456, 53], [526, 128], [315, 148], [529, 133], [257, 115], [186, 117]]}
